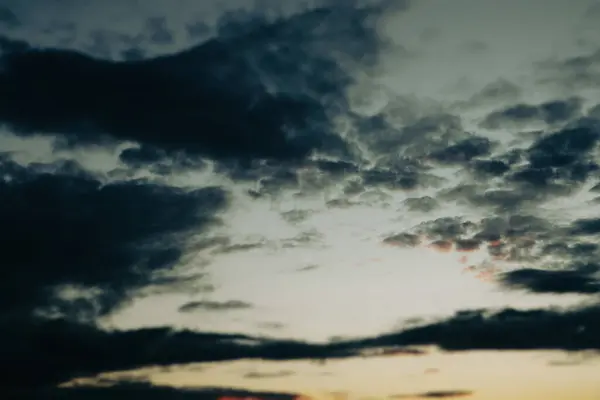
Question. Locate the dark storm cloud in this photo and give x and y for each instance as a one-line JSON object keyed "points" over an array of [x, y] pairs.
{"points": [[586, 227], [42, 353], [140, 390], [490, 168], [579, 281], [507, 329], [563, 148], [556, 164], [8, 45], [440, 394], [463, 151], [206, 305], [391, 178], [259, 90], [159, 161], [60, 226], [550, 112]]}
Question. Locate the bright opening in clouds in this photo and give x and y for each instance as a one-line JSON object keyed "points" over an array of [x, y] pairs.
{"points": [[330, 199]]}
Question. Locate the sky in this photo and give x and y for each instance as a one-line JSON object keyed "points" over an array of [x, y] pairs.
{"points": [[325, 199]]}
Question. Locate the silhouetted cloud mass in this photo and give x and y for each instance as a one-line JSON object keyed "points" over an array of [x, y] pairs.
{"points": [[507, 329], [240, 95], [141, 390], [563, 281], [442, 394], [65, 230], [269, 107]]}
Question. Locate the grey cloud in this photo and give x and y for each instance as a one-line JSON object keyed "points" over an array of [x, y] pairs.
{"points": [[556, 164], [579, 281], [245, 80], [463, 151], [439, 394], [268, 375], [207, 305], [508, 329], [519, 115], [79, 350], [490, 168], [579, 72], [421, 204], [113, 238], [499, 91]]}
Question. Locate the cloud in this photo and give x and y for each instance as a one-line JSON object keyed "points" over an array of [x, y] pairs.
{"points": [[82, 350], [268, 375], [76, 246], [562, 281], [507, 329], [579, 72], [520, 115], [158, 161], [230, 305], [135, 390], [563, 148], [207, 99], [499, 91], [463, 151], [40, 352], [421, 204], [442, 394]]}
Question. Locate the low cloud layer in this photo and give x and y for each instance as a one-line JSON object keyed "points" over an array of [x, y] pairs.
{"points": [[279, 106], [508, 329], [238, 96], [66, 231], [135, 390]]}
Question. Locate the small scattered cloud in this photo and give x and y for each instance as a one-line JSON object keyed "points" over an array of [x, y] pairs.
{"points": [[207, 305], [522, 115], [441, 394], [268, 375]]}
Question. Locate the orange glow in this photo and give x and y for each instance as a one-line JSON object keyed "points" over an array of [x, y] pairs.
{"points": [[487, 275], [470, 268], [443, 246], [303, 397]]}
